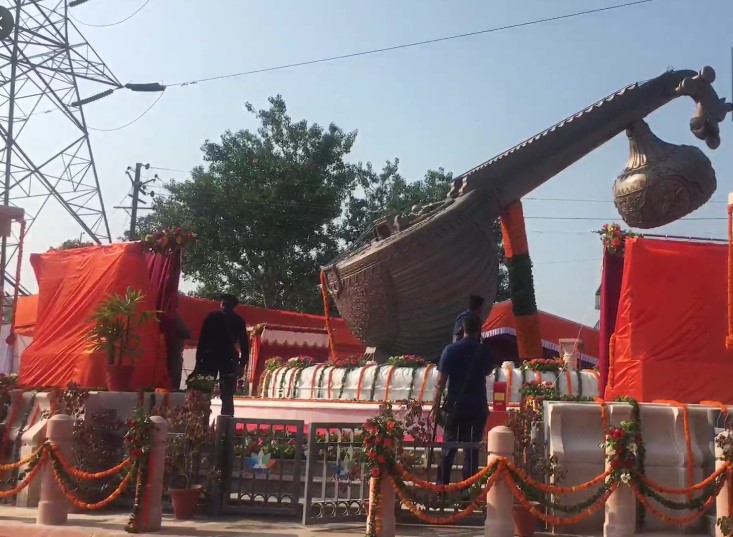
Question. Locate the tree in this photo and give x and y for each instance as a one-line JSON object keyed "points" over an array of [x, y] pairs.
{"points": [[388, 192], [273, 206], [264, 210], [71, 244]]}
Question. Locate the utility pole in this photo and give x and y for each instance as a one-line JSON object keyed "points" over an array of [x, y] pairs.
{"points": [[138, 187]]}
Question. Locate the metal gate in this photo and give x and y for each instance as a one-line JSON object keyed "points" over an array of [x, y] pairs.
{"points": [[261, 466], [336, 486]]}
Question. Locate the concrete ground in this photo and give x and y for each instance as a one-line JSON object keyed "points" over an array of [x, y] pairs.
{"points": [[20, 522]]}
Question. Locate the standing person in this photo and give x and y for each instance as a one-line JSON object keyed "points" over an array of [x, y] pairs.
{"points": [[217, 354], [464, 365], [175, 355], [475, 307]]}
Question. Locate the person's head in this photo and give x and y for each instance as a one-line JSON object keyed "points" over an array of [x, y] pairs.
{"points": [[228, 302], [472, 326], [476, 304]]}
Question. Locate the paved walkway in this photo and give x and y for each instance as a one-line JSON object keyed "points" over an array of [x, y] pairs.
{"points": [[20, 522]]}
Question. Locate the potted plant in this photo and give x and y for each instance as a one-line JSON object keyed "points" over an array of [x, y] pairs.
{"points": [[116, 322], [530, 454], [190, 448]]}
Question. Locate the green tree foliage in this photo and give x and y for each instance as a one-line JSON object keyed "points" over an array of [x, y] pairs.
{"points": [[264, 210], [275, 205], [72, 244]]}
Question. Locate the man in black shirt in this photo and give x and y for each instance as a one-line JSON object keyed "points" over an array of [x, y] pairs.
{"points": [[475, 307], [464, 365], [217, 354]]}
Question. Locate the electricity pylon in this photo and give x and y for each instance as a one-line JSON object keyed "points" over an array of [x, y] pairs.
{"points": [[45, 153]]}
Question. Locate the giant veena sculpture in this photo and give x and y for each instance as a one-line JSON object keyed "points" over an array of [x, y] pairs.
{"points": [[400, 288]]}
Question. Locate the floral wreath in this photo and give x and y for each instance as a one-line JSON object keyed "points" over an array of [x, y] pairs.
{"points": [[614, 238], [168, 240]]}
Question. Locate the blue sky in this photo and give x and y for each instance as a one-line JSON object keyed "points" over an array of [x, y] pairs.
{"points": [[452, 104]]}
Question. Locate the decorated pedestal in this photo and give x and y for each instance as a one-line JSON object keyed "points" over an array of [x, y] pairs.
{"points": [[374, 382]]}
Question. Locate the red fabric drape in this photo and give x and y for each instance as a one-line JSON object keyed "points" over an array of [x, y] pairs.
{"points": [[613, 272], [71, 285], [165, 273], [671, 324]]}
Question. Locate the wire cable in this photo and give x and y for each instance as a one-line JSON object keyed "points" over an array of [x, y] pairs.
{"points": [[112, 23], [413, 44], [138, 118]]}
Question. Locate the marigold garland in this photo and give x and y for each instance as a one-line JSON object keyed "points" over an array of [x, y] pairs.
{"points": [[16, 465], [555, 489], [330, 382], [611, 360], [669, 519], [327, 315], [688, 440], [59, 478], [28, 478], [569, 382], [604, 413], [555, 520], [686, 490], [80, 474], [403, 474], [426, 374], [315, 377], [722, 407], [388, 381], [451, 519]]}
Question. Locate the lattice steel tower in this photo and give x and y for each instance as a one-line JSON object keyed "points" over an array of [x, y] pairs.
{"points": [[45, 153]]}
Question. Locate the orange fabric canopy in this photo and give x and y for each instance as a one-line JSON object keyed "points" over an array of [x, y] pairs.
{"points": [[552, 328], [669, 341], [193, 310], [71, 284]]}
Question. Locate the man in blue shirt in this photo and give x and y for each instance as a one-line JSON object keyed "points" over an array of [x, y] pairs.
{"points": [[475, 307], [464, 366]]}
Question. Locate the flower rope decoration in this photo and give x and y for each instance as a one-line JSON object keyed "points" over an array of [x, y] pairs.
{"points": [[168, 240], [614, 238], [64, 478], [407, 360], [544, 365], [139, 442]]}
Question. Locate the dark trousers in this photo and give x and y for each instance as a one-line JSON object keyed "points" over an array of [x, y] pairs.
{"points": [[227, 385], [466, 429], [175, 369]]}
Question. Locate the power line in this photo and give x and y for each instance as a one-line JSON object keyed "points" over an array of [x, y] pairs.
{"points": [[112, 23], [138, 118], [351, 55], [169, 169], [413, 44], [606, 219], [577, 200]]}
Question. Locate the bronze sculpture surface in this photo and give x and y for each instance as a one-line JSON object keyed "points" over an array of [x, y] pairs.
{"points": [[400, 290]]}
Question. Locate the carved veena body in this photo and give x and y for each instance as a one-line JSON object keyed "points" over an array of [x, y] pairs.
{"points": [[400, 290]]}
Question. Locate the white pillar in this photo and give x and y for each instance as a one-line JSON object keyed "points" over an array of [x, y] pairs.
{"points": [[386, 510], [721, 502], [499, 499], [620, 512], [53, 507]]}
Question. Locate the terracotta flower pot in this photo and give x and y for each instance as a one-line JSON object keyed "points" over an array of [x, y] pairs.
{"points": [[185, 502], [524, 522], [119, 377]]}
